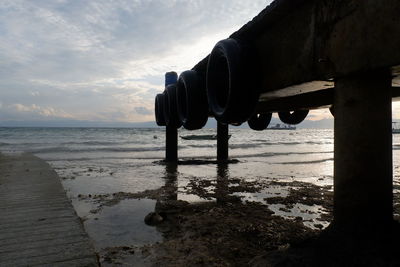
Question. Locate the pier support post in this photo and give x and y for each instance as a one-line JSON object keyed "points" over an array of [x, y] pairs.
{"points": [[171, 144], [222, 141], [363, 186], [222, 186]]}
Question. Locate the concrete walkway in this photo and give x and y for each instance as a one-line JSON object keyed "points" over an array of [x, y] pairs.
{"points": [[38, 225]]}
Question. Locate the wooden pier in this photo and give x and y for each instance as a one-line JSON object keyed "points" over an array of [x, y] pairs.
{"points": [[38, 225], [298, 55]]}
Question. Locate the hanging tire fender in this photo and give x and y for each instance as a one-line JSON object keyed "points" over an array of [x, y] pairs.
{"points": [[159, 110], [332, 110], [259, 122], [232, 81], [294, 117], [192, 100], [170, 107]]}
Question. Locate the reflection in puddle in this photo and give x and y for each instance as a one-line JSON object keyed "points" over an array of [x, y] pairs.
{"points": [[191, 198], [122, 225], [271, 191], [288, 199]]}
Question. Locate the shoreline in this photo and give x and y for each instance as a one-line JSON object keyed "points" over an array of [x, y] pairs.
{"points": [[226, 228]]}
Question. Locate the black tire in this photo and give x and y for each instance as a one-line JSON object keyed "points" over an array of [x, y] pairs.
{"points": [[192, 100], [294, 117], [259, 122], [159, 110], [232, 81], [171, 77], [332, 110], [170, 107]]}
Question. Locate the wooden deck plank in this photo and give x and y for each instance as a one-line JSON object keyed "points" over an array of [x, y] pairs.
{"points": [[38, 225]]}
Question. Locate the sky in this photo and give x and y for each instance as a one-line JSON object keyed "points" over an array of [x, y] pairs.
{"points": [[104, 60]]}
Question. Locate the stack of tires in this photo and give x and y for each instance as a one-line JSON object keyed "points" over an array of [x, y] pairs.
{"points": [[228, 90], [183, 102]]}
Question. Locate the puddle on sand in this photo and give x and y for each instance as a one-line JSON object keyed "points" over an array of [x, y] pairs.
{"points": [[266, 192], [310, 215], [122, 225], [116, 219], [271, 191]]}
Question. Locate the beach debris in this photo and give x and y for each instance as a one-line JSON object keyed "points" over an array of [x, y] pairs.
{"points": [[112, 256], [318, 225], [153, 218]]}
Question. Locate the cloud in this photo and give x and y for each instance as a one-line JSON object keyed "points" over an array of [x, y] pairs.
{"points": [[101, 59], [143, 111], [31, 112]]}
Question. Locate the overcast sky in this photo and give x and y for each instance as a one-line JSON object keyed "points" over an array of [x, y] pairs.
{"points": [[104, 60]]}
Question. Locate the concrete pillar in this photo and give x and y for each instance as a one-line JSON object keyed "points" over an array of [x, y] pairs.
{"points": [[171, 144], [363, 183], [222, 141]]}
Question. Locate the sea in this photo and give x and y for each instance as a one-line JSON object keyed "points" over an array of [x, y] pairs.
{"points": [[94, 162]]}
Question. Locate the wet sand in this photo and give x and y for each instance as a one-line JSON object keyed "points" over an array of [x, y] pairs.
{"points": [[222, 233], [227, 228]]}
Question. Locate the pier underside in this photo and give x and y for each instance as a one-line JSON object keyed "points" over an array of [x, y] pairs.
{"points": [[311, 54]]}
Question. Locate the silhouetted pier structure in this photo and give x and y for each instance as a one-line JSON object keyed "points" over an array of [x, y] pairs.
{"points": [[298, 55]]}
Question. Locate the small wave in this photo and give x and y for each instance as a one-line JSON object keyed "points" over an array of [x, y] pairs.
{"points": [[281, 143], [201, 146], [396, 147], [69, 143], [83, 159], [93, 150], [258, 143], [275, 154], [302, 143], [235, 146], [306, 162], [94, 143]]}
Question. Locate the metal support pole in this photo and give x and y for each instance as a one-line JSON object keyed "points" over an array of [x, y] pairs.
{"points": [[222, 186], [363, 185], [171, 144], [222, 141]]}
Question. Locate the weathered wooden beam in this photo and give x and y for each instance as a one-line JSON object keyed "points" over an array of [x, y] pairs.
{"points": [[299, 41], [314, 100]]}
